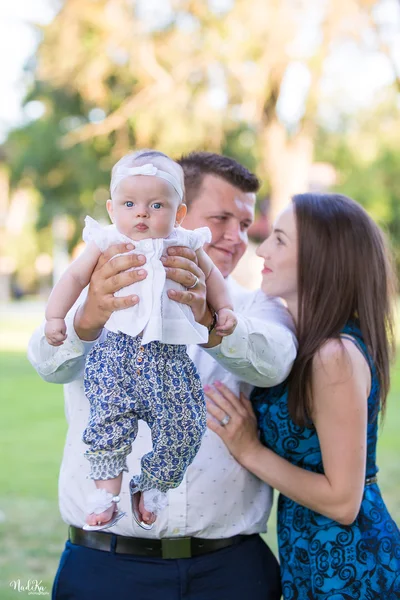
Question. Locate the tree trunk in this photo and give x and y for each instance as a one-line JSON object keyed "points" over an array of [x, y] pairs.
{"points": [[286, 161]]}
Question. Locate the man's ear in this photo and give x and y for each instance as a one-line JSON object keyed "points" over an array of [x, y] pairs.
{"points": [[109, 206], [180, 214]]}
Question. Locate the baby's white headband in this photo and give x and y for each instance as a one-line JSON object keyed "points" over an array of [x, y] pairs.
{"points": [[147, 169]]}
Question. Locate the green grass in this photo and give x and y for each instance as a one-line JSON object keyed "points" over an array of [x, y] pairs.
{"points": [[32, 433]]}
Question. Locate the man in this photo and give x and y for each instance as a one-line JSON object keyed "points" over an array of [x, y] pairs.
{"points": [[205, 544]]}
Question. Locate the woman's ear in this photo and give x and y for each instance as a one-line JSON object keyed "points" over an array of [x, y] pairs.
{"points": [[180, 214], [109, 206]]}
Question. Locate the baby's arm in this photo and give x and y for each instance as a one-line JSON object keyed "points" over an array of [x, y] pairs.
{"points": [[217, 294], [66, 292]]}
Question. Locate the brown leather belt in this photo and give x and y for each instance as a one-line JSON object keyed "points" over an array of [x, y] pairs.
{"points": [[180, 547]]}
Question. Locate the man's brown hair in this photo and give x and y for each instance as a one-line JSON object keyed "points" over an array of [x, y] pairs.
{"points": [[197, 165]]}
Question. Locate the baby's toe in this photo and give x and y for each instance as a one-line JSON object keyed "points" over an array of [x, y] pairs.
{"points": [[101, 518]]}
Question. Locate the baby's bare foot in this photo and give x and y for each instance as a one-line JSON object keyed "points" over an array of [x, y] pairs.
{"points": [[147, 517], [103, 517]]}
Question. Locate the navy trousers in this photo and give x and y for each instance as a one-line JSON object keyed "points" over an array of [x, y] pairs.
{"points": [[246, 571]]}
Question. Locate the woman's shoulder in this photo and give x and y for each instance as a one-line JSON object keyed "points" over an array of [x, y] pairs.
{"points": [[339, 360]]}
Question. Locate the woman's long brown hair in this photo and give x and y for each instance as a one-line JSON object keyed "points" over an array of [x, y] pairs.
{"points": [[344, 272]]}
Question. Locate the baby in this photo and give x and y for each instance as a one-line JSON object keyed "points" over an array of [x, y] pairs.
{"points": [[142, 369]]}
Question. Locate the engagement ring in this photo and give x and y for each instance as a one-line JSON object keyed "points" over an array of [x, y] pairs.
{"points": [[225, 420]]}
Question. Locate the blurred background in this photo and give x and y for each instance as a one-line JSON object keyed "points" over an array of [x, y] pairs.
{"points": [[306, 93]]}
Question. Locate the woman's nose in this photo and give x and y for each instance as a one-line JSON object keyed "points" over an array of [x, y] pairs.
{"points": [[262, 249]]}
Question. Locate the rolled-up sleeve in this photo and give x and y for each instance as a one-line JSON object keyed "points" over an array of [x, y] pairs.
{"points": [[262, 349], [59, 364]]}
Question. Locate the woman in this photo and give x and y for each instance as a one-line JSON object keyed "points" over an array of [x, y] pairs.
{"points": [[326, 259]]}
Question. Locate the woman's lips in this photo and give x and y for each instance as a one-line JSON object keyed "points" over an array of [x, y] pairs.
{"points": [[266, 270]]}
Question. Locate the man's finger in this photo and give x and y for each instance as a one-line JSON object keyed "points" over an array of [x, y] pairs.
{"points": [[121, 280], [124, 302], [184, 264], [182, 251], [184, 297], [122, 263], [186, 278], [113, 251]]}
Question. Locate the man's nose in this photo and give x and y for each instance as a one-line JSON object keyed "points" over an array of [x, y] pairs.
{"points": [[233, 233]]}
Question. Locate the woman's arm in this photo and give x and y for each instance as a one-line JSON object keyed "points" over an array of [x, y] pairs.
{"points": [[340, 383]]}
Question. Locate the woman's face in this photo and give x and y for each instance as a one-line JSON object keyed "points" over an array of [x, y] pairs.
{"points": [[279, 251]]}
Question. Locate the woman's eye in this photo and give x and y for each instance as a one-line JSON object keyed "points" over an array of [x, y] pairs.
{"points": [[157, 205], [279, 241], [129, 204]]}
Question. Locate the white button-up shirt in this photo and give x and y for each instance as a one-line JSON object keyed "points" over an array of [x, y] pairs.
{"points": [[217, 498]]}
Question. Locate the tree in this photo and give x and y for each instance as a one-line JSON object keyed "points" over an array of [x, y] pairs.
{"points": [[367, 162], [195, 74]]}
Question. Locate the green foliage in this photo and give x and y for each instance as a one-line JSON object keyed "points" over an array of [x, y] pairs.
{"points": [[373, 179], [65, 178], [113, 76]]}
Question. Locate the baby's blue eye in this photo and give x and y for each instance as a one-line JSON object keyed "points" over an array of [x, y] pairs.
{"points": [[157, 205], [129, 204]]}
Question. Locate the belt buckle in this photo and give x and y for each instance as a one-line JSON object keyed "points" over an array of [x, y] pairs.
{"points": [[179, 547]]}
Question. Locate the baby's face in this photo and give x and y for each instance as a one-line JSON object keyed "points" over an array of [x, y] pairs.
{"points": [[144, 206]]}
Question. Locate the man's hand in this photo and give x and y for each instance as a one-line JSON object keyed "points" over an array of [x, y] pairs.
{"points": [[181, 266], [108, 277]]}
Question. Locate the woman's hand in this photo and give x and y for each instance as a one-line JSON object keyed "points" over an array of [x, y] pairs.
{"points": [[108, 277], [233, 419], [181, 266]]}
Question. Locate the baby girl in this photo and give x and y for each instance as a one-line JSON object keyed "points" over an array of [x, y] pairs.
{"points": [[142, 369]]}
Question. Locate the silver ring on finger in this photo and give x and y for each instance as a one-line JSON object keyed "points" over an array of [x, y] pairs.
{"points": [[196, 281], [225, 420]]}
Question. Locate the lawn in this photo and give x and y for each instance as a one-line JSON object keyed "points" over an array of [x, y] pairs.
{"points": [[32, 431]]}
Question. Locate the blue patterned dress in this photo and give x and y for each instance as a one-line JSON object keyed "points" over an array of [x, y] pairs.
{"points": [[320, 558]]}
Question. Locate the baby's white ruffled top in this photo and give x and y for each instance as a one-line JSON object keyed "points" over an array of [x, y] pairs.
{"points": [[159, 317]]}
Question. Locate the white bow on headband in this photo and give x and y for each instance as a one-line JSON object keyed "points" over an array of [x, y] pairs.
{"points": [[147, 169]]}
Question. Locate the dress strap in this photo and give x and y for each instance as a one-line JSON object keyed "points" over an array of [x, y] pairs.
{"points": [[356, 342]]}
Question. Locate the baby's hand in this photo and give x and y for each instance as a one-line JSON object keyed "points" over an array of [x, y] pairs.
{"points": [[226, 323], [55, 331]]}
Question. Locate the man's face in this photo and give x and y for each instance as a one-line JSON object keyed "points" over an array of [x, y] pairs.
{"points": [[228, 212]]}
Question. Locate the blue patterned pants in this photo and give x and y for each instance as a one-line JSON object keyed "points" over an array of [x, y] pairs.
{"points": [[158, 383]]}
